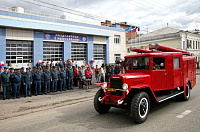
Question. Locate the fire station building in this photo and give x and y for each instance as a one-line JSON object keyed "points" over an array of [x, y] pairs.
{"points": [[27, 37]]}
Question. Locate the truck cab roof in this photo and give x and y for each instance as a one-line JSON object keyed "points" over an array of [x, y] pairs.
{"points": [[155, 54]]}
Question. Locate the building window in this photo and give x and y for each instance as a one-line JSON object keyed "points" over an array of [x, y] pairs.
{"points": [[193, 44], [52, 51], [198, 45], [78, 51], [19, 52], [183, 44], [99, 51], [189, 44], [117, 39], [117, 57], [176, 63]]}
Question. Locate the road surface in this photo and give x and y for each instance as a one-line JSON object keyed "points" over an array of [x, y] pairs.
{"points": [[169, 116]]}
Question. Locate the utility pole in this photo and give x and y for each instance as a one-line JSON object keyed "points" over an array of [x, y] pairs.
{"points": [[147, 29]]}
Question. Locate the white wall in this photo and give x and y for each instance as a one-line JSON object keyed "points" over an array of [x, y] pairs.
{"points": [[117, 48]]}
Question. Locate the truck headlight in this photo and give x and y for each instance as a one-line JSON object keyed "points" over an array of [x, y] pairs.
{"points": [[125, 86], [105, 85]]}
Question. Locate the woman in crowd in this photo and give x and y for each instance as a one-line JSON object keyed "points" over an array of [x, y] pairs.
{"points": [[91, 75], [75, 75], [83, 75], [97, 74], [88, 74], [80, 77]]}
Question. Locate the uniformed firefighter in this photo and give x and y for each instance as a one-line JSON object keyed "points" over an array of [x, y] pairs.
{"points": [[16, 80], [22, 86], [32, 73], [27, 81], [11, 71], [62, 78], [46, 76], [70, 76], [54, 79], [42, 79], [37, 81], [5, 80]]}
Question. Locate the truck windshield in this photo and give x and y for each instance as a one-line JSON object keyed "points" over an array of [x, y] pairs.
{"points": [[141, 63]]}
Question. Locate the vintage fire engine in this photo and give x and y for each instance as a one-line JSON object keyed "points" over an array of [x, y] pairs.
{"points": [[156, 74]]}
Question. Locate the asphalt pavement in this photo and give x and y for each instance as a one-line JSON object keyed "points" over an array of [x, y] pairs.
{"points": [[79, 115]]}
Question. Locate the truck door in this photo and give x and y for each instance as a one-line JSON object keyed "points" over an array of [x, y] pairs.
{"points": [[159, 74], [177, 70]]}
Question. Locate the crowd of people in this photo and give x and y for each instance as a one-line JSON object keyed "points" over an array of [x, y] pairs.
{"points": [[44, 79]]}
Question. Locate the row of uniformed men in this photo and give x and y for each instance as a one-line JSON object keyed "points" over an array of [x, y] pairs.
{"points": [[31, 81]]}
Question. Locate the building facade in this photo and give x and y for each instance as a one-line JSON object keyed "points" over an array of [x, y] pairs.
{"points": [[184, 40], [26, 38]]}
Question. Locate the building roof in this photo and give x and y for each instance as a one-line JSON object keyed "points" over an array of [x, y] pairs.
{"points": [[160, 34], [162, 31]]}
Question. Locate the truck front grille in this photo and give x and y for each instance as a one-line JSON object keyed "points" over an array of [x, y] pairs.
{"points": [[117, 84]]}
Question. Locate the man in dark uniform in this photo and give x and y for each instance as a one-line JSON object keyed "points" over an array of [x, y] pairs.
{"points": [[70, 76], [32, 73], [22, 86], [46, 76], [42, 79], [11, 71], [5, 80], [54, 79], [27, 81], [22, 70], [62, 78], [16, 80], [37, 82]]}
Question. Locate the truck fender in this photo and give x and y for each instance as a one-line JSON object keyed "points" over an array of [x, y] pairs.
{"points": [[100, 84], [147, 89]]}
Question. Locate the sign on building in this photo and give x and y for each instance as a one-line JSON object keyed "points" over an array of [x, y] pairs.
{"points": [[64, 37]]}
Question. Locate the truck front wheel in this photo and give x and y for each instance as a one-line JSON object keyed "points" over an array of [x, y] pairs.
{"points": [[100, 107], [140, 107]]}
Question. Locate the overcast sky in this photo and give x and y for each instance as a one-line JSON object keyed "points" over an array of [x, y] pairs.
{"points": [[154, 14]]}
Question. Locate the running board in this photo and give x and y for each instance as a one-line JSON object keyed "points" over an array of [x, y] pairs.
{"points": [[169, 96]]}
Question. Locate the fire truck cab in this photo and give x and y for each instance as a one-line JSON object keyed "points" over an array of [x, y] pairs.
{"points": [[157, 74]]}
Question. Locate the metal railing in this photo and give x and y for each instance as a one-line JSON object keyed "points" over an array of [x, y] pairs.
{"points": [[67, 18]]}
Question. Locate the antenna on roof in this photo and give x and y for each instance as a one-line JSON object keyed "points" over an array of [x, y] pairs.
{"points": [[167, 24]]}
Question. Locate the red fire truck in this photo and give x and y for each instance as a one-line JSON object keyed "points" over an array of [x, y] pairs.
{"points": [[156, 74]]}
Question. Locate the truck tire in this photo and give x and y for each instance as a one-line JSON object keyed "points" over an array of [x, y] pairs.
{"points": [[140, 107], [100, 107], [186, 96]]}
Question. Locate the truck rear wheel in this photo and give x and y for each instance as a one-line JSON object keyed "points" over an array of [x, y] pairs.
{"points": [[100, 107], [186, 96], [140, 107]]}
